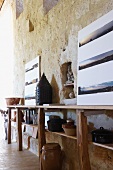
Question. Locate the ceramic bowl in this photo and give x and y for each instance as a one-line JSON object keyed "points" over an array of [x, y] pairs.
{"points": [[69, 130], [12, 100]]}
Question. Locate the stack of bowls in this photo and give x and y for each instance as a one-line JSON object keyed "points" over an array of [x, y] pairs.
{"points": [[69, 128]]}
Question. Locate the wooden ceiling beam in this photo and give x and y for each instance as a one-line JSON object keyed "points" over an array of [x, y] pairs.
{"points": [[1, 3]]}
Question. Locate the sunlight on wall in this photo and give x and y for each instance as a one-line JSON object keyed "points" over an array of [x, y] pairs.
{"points": [[6, 54]]}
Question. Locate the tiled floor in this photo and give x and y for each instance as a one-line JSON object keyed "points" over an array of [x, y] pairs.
{"points": [[11, 159]]}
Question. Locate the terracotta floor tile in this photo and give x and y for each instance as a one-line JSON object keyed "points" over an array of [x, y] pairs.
{"points": [[11, 159]]}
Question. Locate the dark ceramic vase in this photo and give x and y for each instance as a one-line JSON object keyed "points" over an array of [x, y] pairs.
{"points": [[43, 91]]}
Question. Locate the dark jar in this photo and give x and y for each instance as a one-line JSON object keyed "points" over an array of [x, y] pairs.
{"points": [[51, 156]]}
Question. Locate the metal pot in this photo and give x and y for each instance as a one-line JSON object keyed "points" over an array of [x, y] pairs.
{"points": [[55, 125], [102, 135]]}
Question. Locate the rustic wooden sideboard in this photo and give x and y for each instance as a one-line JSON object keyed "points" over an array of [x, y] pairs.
{"points": [[82, 128]]}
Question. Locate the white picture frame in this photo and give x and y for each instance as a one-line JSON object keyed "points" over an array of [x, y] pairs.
{"points": [[95, 62], [32, 77]]}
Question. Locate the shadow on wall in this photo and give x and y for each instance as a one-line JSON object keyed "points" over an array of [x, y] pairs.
{"points": [[49, 4], [55, 91]]}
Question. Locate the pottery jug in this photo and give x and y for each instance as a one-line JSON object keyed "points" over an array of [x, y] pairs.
{"points": [[51, 156]]}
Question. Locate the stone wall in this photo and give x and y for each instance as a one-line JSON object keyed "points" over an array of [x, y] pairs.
{"points": [[53, 36]]}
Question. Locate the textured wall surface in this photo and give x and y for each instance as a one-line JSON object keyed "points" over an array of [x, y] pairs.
{"points": [[54, 38], [19, 7]]}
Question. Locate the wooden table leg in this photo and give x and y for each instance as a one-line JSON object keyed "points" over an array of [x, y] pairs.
{"points": [[19, 129], [41, 132], [9, 125], [82, 141]]}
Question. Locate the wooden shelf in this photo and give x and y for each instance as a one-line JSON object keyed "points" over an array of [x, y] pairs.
{"points": [[82, 129], [62, 134], [52, 110], [29, 124], [75, 107], [107, 146]]}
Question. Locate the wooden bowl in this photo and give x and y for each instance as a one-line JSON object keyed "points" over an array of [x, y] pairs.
{"points": [[69, 129], [12, 100]]}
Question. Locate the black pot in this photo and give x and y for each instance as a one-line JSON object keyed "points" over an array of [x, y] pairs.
{"points": [[55, 125], [102, 135]]}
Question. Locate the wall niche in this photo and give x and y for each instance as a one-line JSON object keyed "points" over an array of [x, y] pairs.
{"points": [[67, 81]]}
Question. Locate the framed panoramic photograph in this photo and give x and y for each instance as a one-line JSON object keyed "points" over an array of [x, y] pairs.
{"points": [[95, 63], [32, 77]]}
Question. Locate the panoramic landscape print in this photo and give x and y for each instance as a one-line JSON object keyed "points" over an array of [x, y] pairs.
{"points": [[95, 63], [97, 88], [96, 34], [102, 58]]}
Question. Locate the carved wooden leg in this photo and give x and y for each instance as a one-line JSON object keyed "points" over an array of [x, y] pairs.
{"points": [[82, 141], [41, 132], [19, 129], [9, 125]]}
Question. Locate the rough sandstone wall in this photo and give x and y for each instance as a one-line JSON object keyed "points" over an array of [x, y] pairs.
{"points": [[54, 38]]}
